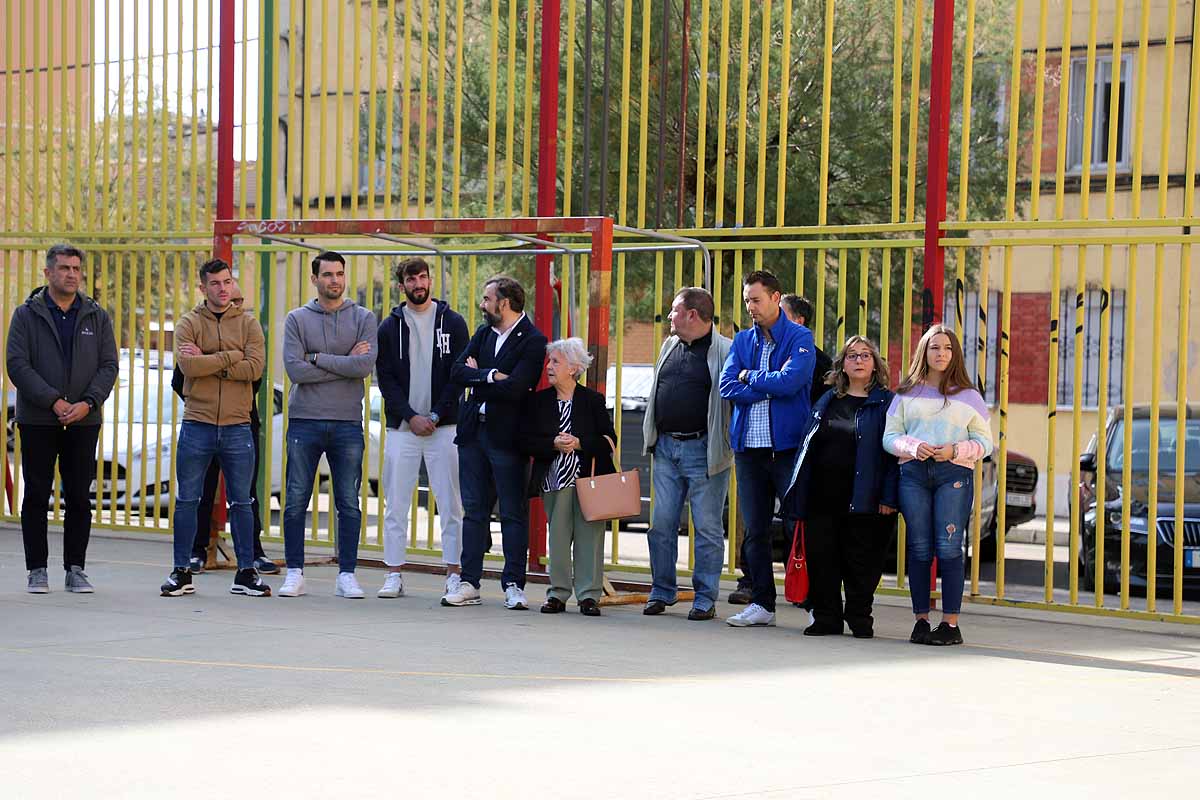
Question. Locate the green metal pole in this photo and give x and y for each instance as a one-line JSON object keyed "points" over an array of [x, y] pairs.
{"points": [[266, 176]]}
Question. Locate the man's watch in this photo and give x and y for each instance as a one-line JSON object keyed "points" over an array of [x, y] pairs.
{"points": [[311, 358], [433, 415], [91, 403]]}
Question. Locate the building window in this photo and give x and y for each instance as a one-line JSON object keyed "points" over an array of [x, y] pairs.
{"points": [[971, 337], [1093, 301], [1103, 85]]}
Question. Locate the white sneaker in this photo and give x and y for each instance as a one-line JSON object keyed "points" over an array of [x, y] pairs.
{"points": [[464, 595], [752, 616], [293, 583], [453, 580], [514, 598], [393, 586], [347, 586]]}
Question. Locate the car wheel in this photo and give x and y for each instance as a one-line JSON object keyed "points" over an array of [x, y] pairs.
{"points": [[987, 542]]}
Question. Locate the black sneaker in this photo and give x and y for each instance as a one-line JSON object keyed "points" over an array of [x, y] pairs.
{"points": [[920, 634], [741, 596], [196, 565], [945, 634], [178, 583], [266, 566], [248, 583]]}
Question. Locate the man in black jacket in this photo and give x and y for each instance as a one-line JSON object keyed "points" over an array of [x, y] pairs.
{"points": [[418, 343], [62, 358], [501, 366]]}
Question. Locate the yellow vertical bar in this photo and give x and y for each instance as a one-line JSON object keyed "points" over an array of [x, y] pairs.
{"points": [[242, 188], [510, 111], [131, 344], [840, 333], [569, 102], [147, 217], [422, 127], [826, 89], [1185, 301], [722, 114], [355, 127], [389, 109], [1076, 411], [178, 139], [164, 391], [897, 99], [965, 142], [985, 261], [12, 86], [456, 165], [35, 120], [1089, 108], [209, 132], [785, 68], [1039, 95], [1159, 268], [494, 40], [764, 95], [864, 261], [79, 113], [61, 119], [147, 282], [322, 108], [373, 112], [644, 121], [885, 302], [339, 66], [440, 140], [176, 301], [1002, 476], [527, 137], [623, 170]]}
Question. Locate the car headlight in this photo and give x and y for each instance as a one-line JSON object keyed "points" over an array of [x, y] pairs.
{"points": [[1137, 525]]}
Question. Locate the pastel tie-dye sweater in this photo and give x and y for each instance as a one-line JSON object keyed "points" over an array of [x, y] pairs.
{"points": [[925, 415]]}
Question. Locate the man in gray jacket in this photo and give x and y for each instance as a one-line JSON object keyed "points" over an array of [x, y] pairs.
{"points": [[329, 347], [687, 429], [62, 359]]}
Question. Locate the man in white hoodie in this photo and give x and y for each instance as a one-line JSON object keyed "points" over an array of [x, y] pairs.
{"points": [[329, 348]]}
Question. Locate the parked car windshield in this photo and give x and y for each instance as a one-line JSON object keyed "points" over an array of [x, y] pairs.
{"points": [[1167, 437]]}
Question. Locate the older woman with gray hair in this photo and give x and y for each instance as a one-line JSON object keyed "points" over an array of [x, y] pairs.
{"points": [[563, 430]]}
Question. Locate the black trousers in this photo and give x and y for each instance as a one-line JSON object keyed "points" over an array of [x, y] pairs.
{"points": [[74, 449], [209, 496], [845, 550]]}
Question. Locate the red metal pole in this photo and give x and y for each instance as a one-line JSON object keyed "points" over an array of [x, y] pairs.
{"points": [[547, 206], [223, 245], [937, 163]]}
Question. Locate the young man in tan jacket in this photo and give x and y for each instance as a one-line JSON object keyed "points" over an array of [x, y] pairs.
{"points": [[220, 351]]}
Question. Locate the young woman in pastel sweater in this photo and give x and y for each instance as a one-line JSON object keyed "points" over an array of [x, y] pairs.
{"points": [[937, 426]]}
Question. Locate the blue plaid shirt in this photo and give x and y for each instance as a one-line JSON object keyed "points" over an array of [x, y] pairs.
{"points": [[758, 428]]}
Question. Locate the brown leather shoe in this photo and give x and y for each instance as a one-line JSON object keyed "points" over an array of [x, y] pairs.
{"points": [[740, 596], [696, 614], [589, 608], [553, 606]]}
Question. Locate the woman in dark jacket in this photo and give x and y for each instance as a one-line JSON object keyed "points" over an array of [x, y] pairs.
{"points": [[845, 488], [564, 429]]}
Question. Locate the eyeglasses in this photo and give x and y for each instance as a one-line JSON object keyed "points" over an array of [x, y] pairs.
{"points": [[858, 356]]}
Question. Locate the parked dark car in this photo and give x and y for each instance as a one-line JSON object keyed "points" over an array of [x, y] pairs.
{"points": [[1106, 512]]}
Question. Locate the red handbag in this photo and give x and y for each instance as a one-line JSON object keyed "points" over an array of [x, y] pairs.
{"points": [[795, 581]]}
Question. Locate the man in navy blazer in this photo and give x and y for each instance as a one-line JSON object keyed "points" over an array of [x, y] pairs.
{"points": [[501, 366]]}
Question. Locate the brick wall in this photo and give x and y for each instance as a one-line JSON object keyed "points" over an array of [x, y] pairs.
{"points": [[640, 346], [1030, 348]]}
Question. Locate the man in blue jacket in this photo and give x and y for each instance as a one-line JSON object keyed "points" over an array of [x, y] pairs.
{"points": [[418, 343], [768, 377]]}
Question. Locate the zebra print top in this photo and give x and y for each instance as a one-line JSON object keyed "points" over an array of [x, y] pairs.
{"points": [[565, 467]]}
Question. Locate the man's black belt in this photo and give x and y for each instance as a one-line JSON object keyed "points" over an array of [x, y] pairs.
{"points": [[685, 437]]}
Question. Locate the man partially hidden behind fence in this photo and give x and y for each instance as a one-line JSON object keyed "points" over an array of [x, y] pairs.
{"points": [[62, 359], [329, 347], [685, 429], [418, 343], [501, 365], [220, 351]]}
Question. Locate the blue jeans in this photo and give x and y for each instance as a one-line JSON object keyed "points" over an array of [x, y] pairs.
{"points": [[680, 472], [342, 445], [935, 499], [486, 472], [763, 476], [198, 444]]}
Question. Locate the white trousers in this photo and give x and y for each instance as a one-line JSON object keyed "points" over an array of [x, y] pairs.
{"points": [[402, 456]]}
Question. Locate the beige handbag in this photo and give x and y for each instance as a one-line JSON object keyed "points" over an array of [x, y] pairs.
{"points": [[608, 497]]}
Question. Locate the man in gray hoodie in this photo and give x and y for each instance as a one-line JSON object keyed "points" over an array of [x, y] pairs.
{"points": [[62, 359], [329, 348]]}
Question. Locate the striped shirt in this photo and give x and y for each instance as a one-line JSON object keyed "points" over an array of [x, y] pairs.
{"points": [[565, 467], [758, 427]]}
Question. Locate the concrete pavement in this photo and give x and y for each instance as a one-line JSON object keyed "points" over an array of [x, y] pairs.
{"points": [[126, 694]]}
